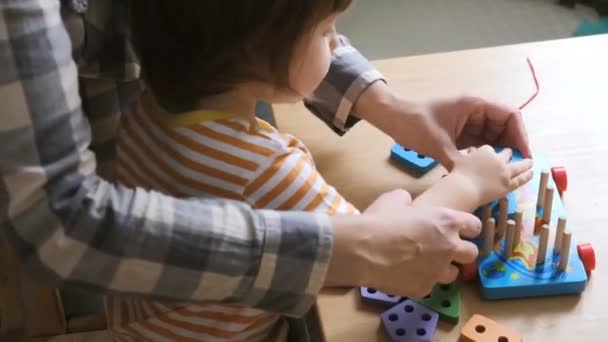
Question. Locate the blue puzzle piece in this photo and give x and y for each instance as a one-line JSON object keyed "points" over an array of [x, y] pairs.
{"points": [[410, 321], [520, 276], [412, 159], [375, 297]]}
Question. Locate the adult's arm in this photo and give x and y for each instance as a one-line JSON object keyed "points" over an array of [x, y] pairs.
{"points": [[350, 75], [71, 227]]}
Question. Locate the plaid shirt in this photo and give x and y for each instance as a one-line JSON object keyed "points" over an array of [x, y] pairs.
{"points": [[67, 73]]}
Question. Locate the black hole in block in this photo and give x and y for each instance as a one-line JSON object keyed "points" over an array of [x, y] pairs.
{"points": [[408, 308], [426, 317], [480, 329], [393, 317], [421, 156], [446, 303], [400, 332], [420, 332], [503, 339], [372, 291]]}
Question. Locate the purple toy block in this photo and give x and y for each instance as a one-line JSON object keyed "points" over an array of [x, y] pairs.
{"points": [[375, 297], [410, 321]]}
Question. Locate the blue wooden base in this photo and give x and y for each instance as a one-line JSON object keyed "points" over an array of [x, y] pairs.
{"points": [[520, 276]]}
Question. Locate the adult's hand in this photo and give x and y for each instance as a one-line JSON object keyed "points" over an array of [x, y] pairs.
{"points": [[401, 249], [439, 128]]}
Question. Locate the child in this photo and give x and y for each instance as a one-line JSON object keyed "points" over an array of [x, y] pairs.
{"points": [[216, 147]]}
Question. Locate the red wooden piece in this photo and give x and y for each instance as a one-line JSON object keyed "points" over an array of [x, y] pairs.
{"points": [[560, 177], [587, 255], [469, 271]]}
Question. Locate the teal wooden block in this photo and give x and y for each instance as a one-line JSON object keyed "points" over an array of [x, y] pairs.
{"points": [[588, 27]]}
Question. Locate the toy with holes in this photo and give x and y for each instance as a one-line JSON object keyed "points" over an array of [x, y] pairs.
{"points": [[410, 321], [445, 300], [375, 297], [482, 329], [516, 257], [412, 159]]}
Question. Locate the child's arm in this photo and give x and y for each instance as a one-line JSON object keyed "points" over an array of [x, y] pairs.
{"points": [[454, 191], [477, 179]]}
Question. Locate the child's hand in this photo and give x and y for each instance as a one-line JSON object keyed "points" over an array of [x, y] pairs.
{"points": [[490, 175]]}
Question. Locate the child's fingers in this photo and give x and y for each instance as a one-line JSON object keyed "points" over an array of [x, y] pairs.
{"points": [[505, 154], [521, 179], [519, 167]]}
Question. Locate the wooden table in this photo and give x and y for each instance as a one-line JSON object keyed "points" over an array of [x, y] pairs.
{"points": [[567, 122]]}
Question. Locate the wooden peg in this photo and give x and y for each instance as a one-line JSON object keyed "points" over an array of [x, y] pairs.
{"points": [[503, 206], [486, 213], [564, 254], [548, 206], [561, 227], [488, 236], [542, 244], [509, 239], [544, 180], [519, 214]]}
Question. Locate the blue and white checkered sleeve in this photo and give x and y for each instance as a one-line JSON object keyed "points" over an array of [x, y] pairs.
{"points": [[349, 75], [70, 226]]}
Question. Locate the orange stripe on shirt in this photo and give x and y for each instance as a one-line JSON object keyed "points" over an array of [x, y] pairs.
{"points": [[237, 142], [263, 178], [282, 186], [239, 127], [187, 162], [222, 316], [305, 188], [180, 178], [199, 328], [151, 175], [318, 199]]}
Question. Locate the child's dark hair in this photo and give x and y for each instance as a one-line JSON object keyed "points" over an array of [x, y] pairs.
{"points": [[189, 49]]}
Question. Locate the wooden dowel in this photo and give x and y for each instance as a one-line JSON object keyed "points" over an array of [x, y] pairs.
{"points": [[564, 254], [519, 214], [544, 180], [488, 236], [508, 251], [548, 206], [542, 244], [486, 213], [503, 206], [561, 228]]}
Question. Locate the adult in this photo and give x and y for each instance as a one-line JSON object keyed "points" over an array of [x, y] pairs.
{"points": [[67, 73]]}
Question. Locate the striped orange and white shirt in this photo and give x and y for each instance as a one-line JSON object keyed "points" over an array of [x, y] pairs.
{"points": [[209, 154]]}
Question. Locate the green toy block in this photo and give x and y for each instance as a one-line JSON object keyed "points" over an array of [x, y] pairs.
{"points": [[445, 300]]}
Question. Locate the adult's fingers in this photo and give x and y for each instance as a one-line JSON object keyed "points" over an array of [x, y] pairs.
{"points": [[465, 252], [469, 225], [448, 275], [399, 196], [515, 134]]}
